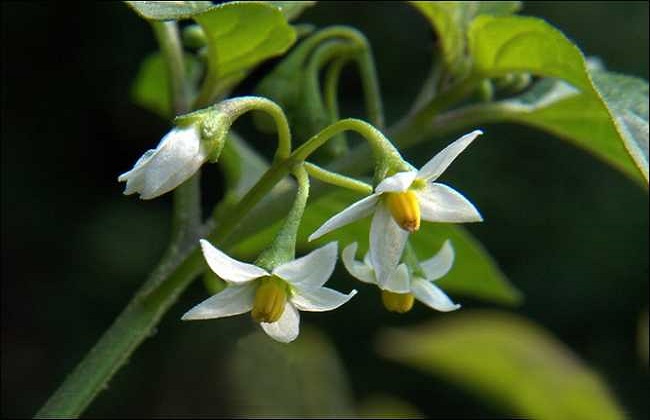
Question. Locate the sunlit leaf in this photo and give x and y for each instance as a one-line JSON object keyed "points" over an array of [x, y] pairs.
{"points": [[474, 274], [303, 379], [241, 35], [292, 9], [506, 44], [168, 10], [627, 100], [608, 117], [508, 359], [450, 20], [151, 89]]}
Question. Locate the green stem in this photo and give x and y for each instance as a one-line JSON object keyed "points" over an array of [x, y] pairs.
{"points": [[168, 39], [387, 157], [339, 180], [283, 247]]}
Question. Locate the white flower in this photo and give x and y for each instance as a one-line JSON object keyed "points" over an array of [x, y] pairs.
{"points": [[276, 296], [402, 285], [400, 201], [177, 157]]}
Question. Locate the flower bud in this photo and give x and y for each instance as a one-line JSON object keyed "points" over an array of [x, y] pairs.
{"points": [[405, 209], [270, 298], [397, 302]]}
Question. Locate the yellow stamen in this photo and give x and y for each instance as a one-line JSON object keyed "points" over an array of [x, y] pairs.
{"points": [[270, 298], [405, 209], [397, 302]]}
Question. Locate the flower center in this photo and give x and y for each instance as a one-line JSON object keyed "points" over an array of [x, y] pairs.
{"points": [[397, 302], [270, 298], [405, 209]]}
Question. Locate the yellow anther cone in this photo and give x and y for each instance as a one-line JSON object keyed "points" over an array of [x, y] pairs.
{"points": [[405, 209], [270, 298], [397, 302]]}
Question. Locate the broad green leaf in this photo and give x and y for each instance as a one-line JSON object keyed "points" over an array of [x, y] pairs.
{"points": [[608, 117], [169, 10], [151, 88], [627, 100], [450, 20], [508, 359], [474, 274], [303, 379], [508, 44], [241, 35], [555, 106], [292, 9]]}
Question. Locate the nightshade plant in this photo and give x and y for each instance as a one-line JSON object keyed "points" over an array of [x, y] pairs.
{"points": [[490, 65]]}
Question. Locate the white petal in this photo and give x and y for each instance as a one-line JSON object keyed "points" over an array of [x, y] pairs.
{"points": [[399, 281], [320, 299], [440, 203], [396, 183], [228, 268], [356, 211], [359, 270], [440, 264], [387, 241], [432, 296], [233, 300], [178, 156], [312, 270], [286, 328], [437, 165]]}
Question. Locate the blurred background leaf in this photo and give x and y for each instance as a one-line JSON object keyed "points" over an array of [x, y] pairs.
{"points": [[304, 379], [508, 359]]}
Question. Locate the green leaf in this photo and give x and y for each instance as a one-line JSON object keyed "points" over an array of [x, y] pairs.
{"points": [[303, 379], [241, 35], [292, 9], [151, 87], [474, 274], [508, 44], [608, 117], [505, 358], [450, 20], [555, 106], [169, 10], [627, 100]]}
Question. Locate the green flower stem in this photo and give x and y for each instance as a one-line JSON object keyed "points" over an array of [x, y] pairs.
{"points": [[331, 87], [339, 180], [243, 104], [365, 61], [411, 260], [168, 38], [186, 218], [283, 247], [387, 157]]}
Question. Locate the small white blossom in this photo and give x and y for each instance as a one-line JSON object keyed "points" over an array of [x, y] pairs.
{"points": [[405, 198], [403, 281], [177, 157], [302, 279]]}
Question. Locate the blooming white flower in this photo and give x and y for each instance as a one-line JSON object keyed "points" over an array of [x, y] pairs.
{"points": [[273, 298], [403, 285], [177, 157], [400, 201]]}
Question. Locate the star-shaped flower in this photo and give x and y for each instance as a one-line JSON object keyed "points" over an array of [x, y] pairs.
{"points": [[398, 204], [177, 157], [403, 285], [273, 298]]}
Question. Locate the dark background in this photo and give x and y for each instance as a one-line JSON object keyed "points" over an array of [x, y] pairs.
{"points": [[569, 231]]}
